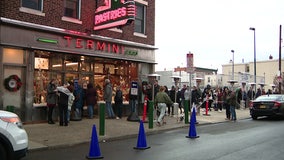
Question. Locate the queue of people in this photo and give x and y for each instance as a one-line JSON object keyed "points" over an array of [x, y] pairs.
{"points": [[71, 97]]}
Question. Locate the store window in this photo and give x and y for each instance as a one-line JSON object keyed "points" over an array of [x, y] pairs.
{"points": [[140, 18], [121, 73], [33, 4], [72, 8], [68, 67]]}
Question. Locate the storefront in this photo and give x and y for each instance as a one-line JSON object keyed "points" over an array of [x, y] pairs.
{"points": [[36, 54]]}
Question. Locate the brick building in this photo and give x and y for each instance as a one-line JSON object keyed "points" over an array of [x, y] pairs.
{"points": [[45, 39]]}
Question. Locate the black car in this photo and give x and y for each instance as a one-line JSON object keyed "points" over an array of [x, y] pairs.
{"points": [[267, 105]]}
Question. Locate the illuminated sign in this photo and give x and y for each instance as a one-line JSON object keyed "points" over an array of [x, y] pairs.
{"points": [[114, 13], [90, 44]]}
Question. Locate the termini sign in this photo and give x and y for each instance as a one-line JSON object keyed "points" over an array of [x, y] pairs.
{"points": [[90, 44], [114, 13]]}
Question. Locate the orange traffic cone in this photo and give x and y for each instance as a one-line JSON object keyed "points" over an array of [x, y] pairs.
{"points": [[95, 152], [141, 142], [192, 130]]}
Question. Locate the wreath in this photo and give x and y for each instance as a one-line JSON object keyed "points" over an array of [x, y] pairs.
{"points": [[13, 83]]}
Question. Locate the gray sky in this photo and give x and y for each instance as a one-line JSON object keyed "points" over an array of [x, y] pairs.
{"points": [[210, 29]]}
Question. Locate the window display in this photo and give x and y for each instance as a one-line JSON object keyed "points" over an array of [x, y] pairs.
{"points": [[86, 69]]}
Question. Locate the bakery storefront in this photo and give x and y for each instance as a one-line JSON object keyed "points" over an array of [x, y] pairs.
{"points": [[36, 54]]}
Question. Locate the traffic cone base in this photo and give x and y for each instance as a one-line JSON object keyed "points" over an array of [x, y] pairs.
{"points": [[192, 137], [141, 142], [141, 148], [94, 152], [192, 129]]}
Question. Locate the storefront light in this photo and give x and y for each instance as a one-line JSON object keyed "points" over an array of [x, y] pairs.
{"points": [[67, 64]]}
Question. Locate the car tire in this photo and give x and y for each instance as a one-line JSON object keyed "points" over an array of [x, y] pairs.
{"points": [[3, 152], [254, 117]]}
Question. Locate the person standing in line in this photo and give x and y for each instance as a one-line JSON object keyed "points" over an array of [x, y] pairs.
{"points": [[91, 99], [118, 99], [108, 98], [63, 104], [182, 98], [161, 101], [79, 101], [250, 94], [51, 99], [195, 97], [219, 99], [71, 99], [187, 97], [232, 98], [172, 94], [226, 103]]}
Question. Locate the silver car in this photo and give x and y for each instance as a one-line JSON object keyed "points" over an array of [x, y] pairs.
{"points": [[13, 137]]}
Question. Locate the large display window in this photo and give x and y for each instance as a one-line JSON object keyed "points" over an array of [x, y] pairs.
{"points": [[86, 69]]}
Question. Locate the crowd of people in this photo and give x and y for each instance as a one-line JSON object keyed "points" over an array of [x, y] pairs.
{"points": [[71, 97]]}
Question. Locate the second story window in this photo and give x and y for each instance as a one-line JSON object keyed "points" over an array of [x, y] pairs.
{"points": [[72, 8], [140, 18], [32, 4]]}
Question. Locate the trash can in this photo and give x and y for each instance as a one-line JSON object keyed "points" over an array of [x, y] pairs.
{"points": [[10, 109]]}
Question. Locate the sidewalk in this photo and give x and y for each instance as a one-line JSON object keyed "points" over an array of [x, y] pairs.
{"points": [[43, 135]]}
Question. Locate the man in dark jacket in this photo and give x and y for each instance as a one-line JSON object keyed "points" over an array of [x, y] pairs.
{"points": [[91, 99]]}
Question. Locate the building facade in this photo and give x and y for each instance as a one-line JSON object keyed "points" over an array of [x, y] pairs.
{"points": [[42, 40], [267, 72]]}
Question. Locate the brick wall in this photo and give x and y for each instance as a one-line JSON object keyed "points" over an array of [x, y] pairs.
{"points": [[54, 9]]}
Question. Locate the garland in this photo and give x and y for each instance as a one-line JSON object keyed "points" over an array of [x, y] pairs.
{"points": [[13, 83]]}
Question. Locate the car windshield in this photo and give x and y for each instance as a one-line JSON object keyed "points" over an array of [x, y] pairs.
{"points": [[270, 98]]}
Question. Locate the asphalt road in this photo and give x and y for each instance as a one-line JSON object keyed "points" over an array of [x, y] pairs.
{"points": [[244, 139]]}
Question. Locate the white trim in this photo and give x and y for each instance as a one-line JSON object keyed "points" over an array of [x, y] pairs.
{"points": [[140, 35], [142, 2], [69, 19], [31, 11], [116, 30]]}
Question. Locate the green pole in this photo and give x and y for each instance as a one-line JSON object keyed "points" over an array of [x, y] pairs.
{"points": [[102, 119], [150, 114], [186, 112]]}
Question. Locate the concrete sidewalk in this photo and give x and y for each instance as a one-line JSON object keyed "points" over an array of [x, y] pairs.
{"points": [[43, 135]]}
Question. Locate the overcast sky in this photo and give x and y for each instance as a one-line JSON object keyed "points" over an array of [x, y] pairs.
{"points": [[210, 29]]}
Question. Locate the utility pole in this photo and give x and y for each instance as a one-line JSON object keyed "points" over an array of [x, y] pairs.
{"points": [[280, 75]]}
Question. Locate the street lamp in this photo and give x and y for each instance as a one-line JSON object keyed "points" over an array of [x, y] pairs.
{"points": [[253, 29], [233, 65]]}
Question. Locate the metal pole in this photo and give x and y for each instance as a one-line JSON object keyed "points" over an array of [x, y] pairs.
{"points": [[254, 50], [233, 76], [150, 114], [102, 119], [254, 59], [280, 39]]}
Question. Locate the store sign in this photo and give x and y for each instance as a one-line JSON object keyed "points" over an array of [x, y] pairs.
{"points": [[134, 88], [90, 44], [114, 13], [189, 58]]}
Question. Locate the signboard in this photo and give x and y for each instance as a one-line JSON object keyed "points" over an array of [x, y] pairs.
{"points": [[134, 88], [189, 58], [114, 13]]}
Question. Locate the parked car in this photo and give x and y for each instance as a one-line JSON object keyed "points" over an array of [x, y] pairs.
{"points": [[13, 137], [267, 105]]}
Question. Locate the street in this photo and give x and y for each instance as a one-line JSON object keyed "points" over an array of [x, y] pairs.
{"points": [[244, 139]]}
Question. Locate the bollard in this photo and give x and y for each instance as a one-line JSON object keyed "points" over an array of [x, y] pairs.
{"points": [[102, 119], [150, 113], [186, 112]]}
